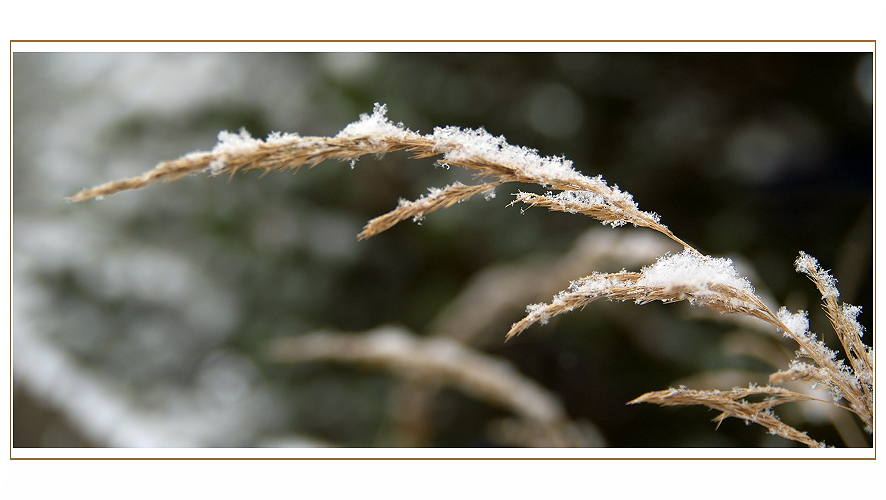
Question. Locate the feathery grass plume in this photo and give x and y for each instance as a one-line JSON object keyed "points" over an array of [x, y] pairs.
{"points": [[435, 199], [704, 281], [489, 156], [689, 275], [854, 383], [733, 404], [714, 283]]}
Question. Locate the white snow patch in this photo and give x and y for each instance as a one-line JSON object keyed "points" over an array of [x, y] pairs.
{"points": [[375, 126], [458, 145], [797, 323], [689, 269], [231, 144]]}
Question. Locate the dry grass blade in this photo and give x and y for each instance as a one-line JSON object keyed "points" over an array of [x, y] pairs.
{"points": [[289, 152], [436, 361], [607, 210], [732, 404], [799, 371], [439, 360], [714, 285], [853, 383], [437, 199]]}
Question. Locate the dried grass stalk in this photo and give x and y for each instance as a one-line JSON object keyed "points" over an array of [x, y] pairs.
{"points": [[702, 280], [489, 157], [713, 283], [436, 361], [437, 199], [732, 404], [278, 153], [628, 286]]}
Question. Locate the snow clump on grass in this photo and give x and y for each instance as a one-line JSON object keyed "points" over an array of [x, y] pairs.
{"points": [[692, 270]]}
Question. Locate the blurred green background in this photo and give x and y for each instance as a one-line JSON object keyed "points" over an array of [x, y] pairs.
{"points": [[144, 319]]}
